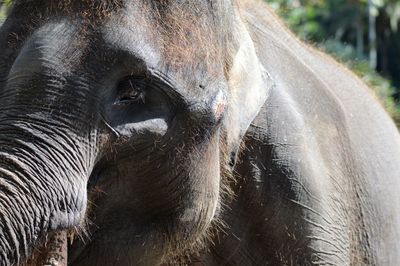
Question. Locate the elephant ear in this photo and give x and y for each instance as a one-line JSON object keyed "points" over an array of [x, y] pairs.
{"points": [[249, 85]]}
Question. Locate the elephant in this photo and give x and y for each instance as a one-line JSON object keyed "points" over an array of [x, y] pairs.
{"points": [[188, 132]]}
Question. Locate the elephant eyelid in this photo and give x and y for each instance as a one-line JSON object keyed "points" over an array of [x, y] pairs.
{"points": [[131, 90]]}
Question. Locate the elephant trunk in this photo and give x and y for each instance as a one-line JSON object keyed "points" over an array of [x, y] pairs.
{"points": [[43, 174], [48, 140]]}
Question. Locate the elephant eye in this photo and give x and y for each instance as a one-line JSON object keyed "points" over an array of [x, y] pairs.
{"points": [[130, 90]]}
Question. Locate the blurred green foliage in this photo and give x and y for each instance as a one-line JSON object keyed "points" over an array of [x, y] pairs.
{"points": [[4, 7], [341, 28]]}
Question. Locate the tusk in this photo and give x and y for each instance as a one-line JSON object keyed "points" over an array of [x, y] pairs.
{"points": [[57, 254], [71, 237]]}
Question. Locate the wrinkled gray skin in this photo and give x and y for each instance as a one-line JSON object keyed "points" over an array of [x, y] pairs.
{"points": [[317, 174]]}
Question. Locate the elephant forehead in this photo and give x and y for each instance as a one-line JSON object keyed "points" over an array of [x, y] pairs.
{"points": [[91, 7], [182, 41], [184, 38], [99, 9], [182, 30]]}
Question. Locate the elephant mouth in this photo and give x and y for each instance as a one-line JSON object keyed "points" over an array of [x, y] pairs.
{"points": [[95, 178], [146, 233], [149, 207]]}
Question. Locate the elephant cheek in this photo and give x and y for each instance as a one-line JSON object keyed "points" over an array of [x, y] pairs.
{"points": [[205, 188]]}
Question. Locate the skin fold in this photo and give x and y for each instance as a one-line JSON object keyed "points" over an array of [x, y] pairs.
{"points": [[187, 132]]}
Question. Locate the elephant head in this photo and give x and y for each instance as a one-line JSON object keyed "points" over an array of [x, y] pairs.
{"points": [[138, 107]]}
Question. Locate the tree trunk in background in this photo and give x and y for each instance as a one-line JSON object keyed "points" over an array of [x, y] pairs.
{"points": [[372, 35], [360, 36]]}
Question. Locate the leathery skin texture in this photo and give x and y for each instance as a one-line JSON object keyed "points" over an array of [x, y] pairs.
{"points": [[186, 132]]}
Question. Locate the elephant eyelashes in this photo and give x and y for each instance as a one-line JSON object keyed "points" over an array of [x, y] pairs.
{"points": [[131, 90]]}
